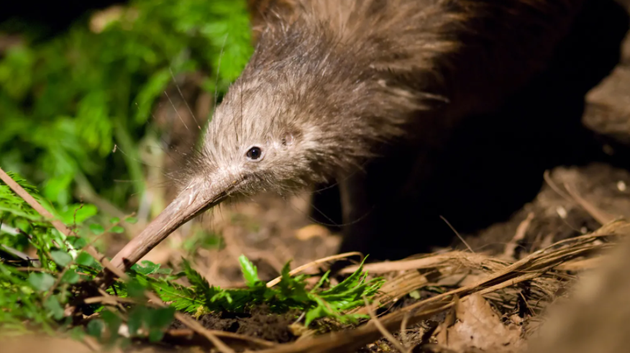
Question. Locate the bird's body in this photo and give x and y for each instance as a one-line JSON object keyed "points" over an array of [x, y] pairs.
{"points": [[359, 74], [336, 84]]}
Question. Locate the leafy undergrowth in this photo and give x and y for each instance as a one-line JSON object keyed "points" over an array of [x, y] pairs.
{"points": [[56, 291], [96, 85]]}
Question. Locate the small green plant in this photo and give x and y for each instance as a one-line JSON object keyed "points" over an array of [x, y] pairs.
{"points": [[67, 100], [35, 290], [291, 293]]}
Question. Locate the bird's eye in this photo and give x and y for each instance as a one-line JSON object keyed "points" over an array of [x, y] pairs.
{"points": [[254, 153]]}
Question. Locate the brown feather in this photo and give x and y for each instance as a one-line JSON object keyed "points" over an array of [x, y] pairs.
{"points": [[345, 77]]}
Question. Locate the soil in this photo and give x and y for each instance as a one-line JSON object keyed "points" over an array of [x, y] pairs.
{"points": [[258, 323]]}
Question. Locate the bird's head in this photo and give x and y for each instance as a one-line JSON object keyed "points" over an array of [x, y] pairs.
{"points": [[303, 110]]}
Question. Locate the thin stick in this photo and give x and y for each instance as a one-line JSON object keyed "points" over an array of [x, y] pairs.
{"points": [[382, 328], [196, 326], [457, 233], [521, 230], [57, 223], [599, 215], [108, 300], [33, 203], [297, 270], [554, 187], [403, 330]]}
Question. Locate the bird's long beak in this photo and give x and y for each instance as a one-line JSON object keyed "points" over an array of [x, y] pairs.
{"points": [[192, 201]]}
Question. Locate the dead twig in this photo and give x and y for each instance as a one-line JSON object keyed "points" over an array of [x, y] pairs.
{"points": [[382, 328], [554, 187], [55, 222], [108, 300], [599, 215], [457, 234], [429, 261], [297, 270], [521, 230], [403, 330]]}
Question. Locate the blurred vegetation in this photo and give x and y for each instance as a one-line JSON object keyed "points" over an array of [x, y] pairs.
{"points": [[66, 101]]}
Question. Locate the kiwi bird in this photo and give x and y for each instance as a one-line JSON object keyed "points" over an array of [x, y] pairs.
{"points": [[333, 84]]}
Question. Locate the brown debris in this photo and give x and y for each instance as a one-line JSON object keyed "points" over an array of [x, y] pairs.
{"points": [[595, 319], [479, 326]]}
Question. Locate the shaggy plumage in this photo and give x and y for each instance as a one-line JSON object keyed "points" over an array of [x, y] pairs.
{"points": [[334, 83], [340, 78]]}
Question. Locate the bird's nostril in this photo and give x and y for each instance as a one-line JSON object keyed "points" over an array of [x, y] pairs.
{"points": [[287, 140]]}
